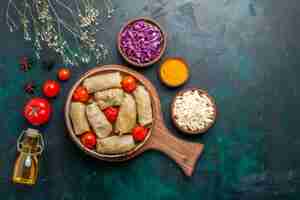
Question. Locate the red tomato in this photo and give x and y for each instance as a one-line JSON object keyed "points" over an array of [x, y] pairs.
{"points": [[51, 88], [37, 111], [89, 140], [81, 94], [139, 133], [64, 74], [111, 113], [129, 83]]}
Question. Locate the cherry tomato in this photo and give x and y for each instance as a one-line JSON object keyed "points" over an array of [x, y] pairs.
{"points": [[139, 133], [37, 111], [111, 113], [51, 88], [81, 94], [89, 140], [129, 83], [64, 74]]}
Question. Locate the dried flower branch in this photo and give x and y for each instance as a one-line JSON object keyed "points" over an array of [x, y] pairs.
{"points": [[74, 40]]}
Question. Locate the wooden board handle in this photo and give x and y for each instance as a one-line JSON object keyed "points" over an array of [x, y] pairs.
{"points": [[184, 153]]}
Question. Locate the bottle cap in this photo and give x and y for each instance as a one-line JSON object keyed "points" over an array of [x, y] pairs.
{"points": [[33, 133]]}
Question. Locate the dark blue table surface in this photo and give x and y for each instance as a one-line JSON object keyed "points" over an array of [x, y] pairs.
{"points": [[245, 53]]}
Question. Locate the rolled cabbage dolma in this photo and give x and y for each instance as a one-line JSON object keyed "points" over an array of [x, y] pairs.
{"points": [[144, 108], [78, 118], [102, 82], [115, 144], [98, 121], [126, 119], [110, 97]]}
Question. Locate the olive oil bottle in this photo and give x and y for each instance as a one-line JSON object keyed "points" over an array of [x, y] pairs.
{"points": [[30, 145]]}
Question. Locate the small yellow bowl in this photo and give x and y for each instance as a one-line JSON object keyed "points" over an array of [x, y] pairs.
{"points": [[174, 72]]}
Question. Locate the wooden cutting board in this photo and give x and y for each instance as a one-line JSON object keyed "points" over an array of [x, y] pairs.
{"points": [[184, 153]]}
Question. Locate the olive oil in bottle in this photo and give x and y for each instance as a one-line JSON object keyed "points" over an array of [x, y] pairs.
{"points": [[30, 146]]}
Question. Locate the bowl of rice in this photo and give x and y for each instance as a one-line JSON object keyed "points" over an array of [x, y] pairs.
{"points": [[193, 111]]}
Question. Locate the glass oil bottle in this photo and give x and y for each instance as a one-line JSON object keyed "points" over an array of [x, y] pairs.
{"points": [[30, 145]]}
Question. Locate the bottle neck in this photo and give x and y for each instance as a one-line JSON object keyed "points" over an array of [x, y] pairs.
{"points": [[29, 146], [28, 149], [30, 142]]}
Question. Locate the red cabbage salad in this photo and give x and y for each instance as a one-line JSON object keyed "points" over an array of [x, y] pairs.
{"points": [[141, 42]]}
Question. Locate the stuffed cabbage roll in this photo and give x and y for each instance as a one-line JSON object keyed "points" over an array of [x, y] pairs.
{"points": [[110, 97], [144, 108], [127, 115], [78, 118], [98, 121], [115, 144], [103, 81]]}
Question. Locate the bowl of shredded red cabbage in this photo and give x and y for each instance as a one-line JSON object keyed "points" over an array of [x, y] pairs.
{"points": [[142, 42]]}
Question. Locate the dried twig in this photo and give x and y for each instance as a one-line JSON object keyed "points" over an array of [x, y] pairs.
{"points": [[41, 23]]}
